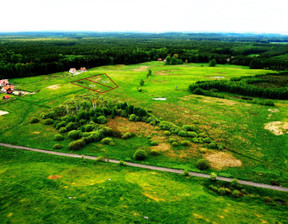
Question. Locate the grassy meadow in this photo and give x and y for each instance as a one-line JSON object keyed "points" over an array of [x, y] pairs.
{"points": [[39, 188], [259, 155]]}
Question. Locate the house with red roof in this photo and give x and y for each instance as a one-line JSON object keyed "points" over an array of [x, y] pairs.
{"points": [[73, 70], [6, 97], [7, 89], [83, 69], [4, 82]]}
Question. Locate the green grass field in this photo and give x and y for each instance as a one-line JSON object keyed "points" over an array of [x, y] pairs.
{"points": [[237, 123], [39, 188]]}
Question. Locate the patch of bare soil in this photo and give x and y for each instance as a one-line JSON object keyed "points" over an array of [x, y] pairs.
{"points": [[140, 69], [162, 73], [220, 160], [3, 112], [162, 147], [123, 125], [277, 127], [54, 177], [54, 87]]}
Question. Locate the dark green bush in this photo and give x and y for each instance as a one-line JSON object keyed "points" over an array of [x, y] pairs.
{"points": [[155, 152], [195, 140], [212, 145], [236, 194], [34, 120], [132, 117], [234, 183], [140, 154], [213, 176], [202, 135], [60, 125], [62, 130], [57, 146], [189, 127], [192, 134], [72, 126], [207, 140], [182, 133], [174, 144], [185, 143], [164, 125], [126, 135], [58, 137], [202, 164], [221, 191], [106, 141], [186, 172], [154, 143], [76, 145], [171, 140], [48, 121], [167, 133], [101, 120], [75, 134], [122, 163]]}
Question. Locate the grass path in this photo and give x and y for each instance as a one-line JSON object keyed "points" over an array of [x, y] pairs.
{"points": [[249, 183]]}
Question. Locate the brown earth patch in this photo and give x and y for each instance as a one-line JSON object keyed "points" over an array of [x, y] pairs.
{"points": [[54, 177], [140, 69], [220, 160], [162, 73], [123, 125], [54, 87], [277, 127]]}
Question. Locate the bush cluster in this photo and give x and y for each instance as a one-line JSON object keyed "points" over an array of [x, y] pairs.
{"points": [[140, 154]]}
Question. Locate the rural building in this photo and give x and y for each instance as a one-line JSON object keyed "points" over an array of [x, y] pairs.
{"points": [[6, 97], [7, 89], [73, 70], [83, 69], [160, 59], [4, 82]]}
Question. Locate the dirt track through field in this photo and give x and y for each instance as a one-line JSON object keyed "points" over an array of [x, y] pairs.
{"points": [[249, 183]]}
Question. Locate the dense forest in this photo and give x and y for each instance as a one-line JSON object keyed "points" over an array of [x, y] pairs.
{"points": [[30, 54]]}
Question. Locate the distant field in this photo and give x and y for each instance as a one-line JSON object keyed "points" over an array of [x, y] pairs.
{"points": [[37, 188], [236, 123]]}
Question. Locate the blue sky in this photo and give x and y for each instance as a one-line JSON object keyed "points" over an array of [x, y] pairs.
{"points": [[260, 16]]}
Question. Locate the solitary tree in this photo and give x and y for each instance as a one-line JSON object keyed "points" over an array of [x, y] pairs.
{"points": [[212, 63], [141, 82]]}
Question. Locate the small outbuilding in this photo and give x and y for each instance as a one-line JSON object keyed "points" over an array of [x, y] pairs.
{"points": [[6, 97], [4, 82], [73, 70], [83, 69]]}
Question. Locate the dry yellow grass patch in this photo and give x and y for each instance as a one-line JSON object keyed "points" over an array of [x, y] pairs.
{"points": [[162, 147], [277, 127], [154, 197], [54, 87], [123, 125], [220, 160], [36, 132], [53, 177], [140, 69], [162, 73]]}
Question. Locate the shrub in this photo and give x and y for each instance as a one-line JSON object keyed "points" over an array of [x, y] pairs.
{"points": [[234, 182], [198, 91], [106, 141], [62, 130], [243, 191], [171, 140], [155, 152], [203, 150], [126, 135], [76, 145], [174, 144], [195, 140], [189, 127], [132, 117], [60, 125], [34, 120], [164, 125], [167, 133], [236, 194], [192, 134], [202, 135], [213, 176], [220, 146], [58, 137], [207, 140], [122, 163], [157, 128], [182, 133], [212, 145], [185, 143], [267, 199], [202, 164], [57, 146], [227, 191], [186, 172], [72, 126], [89, 127], [154, 143], [48, 121], [100, 159], [101, 120], [221, 190], [75, 134], [111, 143], [213, 188], [140, 154]]}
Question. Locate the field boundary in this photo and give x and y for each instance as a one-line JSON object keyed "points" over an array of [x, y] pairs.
{"points": [[89, 79], [149, 167]]}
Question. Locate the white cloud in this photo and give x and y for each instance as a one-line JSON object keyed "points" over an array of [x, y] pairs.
{"points": [[149, 15]]}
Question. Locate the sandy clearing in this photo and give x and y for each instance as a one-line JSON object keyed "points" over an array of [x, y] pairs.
{"points": [[3, 112], [54, 87], [140, 69], [220, 160], [277, 127]]}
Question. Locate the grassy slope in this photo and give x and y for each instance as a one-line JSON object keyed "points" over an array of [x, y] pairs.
{"points": [[238, 124], [28, 196]]}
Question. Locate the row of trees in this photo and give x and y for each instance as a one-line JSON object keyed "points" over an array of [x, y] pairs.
{"points": [[22, 57]]}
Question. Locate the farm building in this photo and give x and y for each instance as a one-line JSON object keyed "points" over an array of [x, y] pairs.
{"points": [[73, 70], [160, 59], [7, 89], [4, 82], [83, 69], [7, 97]]}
